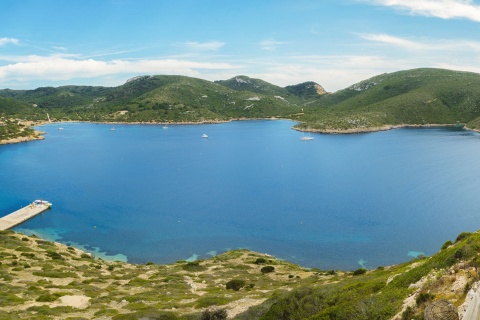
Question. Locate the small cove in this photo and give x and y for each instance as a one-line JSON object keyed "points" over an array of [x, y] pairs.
{"points": [[146, 193]]}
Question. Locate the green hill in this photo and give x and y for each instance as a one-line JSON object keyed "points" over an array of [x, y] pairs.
{"points": [[159, 99], [412, 97]]}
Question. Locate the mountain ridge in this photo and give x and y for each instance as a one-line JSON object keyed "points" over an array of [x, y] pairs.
{"points": [[416, 97]]}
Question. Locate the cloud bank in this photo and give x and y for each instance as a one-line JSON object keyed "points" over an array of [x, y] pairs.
{"points": [[58, 67]]}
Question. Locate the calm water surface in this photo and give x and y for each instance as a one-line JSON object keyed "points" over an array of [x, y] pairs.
{"points": [[145, 193]]}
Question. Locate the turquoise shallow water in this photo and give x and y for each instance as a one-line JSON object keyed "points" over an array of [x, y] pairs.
{"points": [[145, 193]]}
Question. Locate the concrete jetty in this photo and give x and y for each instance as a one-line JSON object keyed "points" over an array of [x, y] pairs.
{"points": [[23, 214]]}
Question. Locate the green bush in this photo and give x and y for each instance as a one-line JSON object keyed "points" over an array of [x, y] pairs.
{"points": [[54, 255], [267, 269], [219, 314], [105, 313], [149, 313], [408, 313], [193, 266], [260, 261], [447, 244], [424, 297], [462, 236], [208, 301], [49, 297], [55, 274], [235, 284], [359, 271]]}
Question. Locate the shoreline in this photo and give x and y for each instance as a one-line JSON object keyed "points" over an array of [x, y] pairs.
{"points": [[39, 135], [382, 128]]}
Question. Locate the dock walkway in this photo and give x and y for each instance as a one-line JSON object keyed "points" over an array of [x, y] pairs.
{"points": [[23, 214]]}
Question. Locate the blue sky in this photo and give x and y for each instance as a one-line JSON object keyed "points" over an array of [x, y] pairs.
{"points": [[335, 43]]}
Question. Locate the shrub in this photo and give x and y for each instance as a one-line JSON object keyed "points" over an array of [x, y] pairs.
{"points": [[408, 313], [359, 271], [424, 297], [55, 274], [193, 266], [86, 256], [54, 255], [260, 261], [267, 269], [105, 312], [48, 297], [235, 284], [464, 253], [208, 301], [447, 244], [219, 314], [462, 236]]}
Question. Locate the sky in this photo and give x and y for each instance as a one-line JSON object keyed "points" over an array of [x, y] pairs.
{"points": [[335, 43]]}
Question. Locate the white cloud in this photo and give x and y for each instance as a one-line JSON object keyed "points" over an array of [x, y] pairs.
{"points": [[57, 67], [201, 46], [445, 45], [270, 44], [445, 9], [395, 41], [4, 41]]}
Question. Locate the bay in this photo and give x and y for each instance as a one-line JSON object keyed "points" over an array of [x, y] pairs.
{"points": [[147, 193]]}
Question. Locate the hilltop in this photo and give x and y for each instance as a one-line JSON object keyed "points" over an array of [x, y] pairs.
{"points": [[45, 280], [412, 97]]}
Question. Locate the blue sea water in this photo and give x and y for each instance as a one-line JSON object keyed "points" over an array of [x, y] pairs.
{"points": [[145, 193]]}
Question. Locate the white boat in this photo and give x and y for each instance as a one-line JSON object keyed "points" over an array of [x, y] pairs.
{"points": [[204, 136], [113, 128], [60, 128], [306, 138], [42, 203], [165, 127]]}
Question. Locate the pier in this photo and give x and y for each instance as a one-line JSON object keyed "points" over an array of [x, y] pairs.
{"points": [[23, 214]]}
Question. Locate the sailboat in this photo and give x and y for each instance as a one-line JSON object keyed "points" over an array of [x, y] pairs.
{"points": [[113, 128]]}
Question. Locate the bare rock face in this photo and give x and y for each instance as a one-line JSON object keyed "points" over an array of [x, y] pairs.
{"points": [[320, 89], [307, 89]]}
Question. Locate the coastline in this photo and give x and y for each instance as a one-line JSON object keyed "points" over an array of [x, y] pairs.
{"points": [[378, 129], [39, 135]]}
